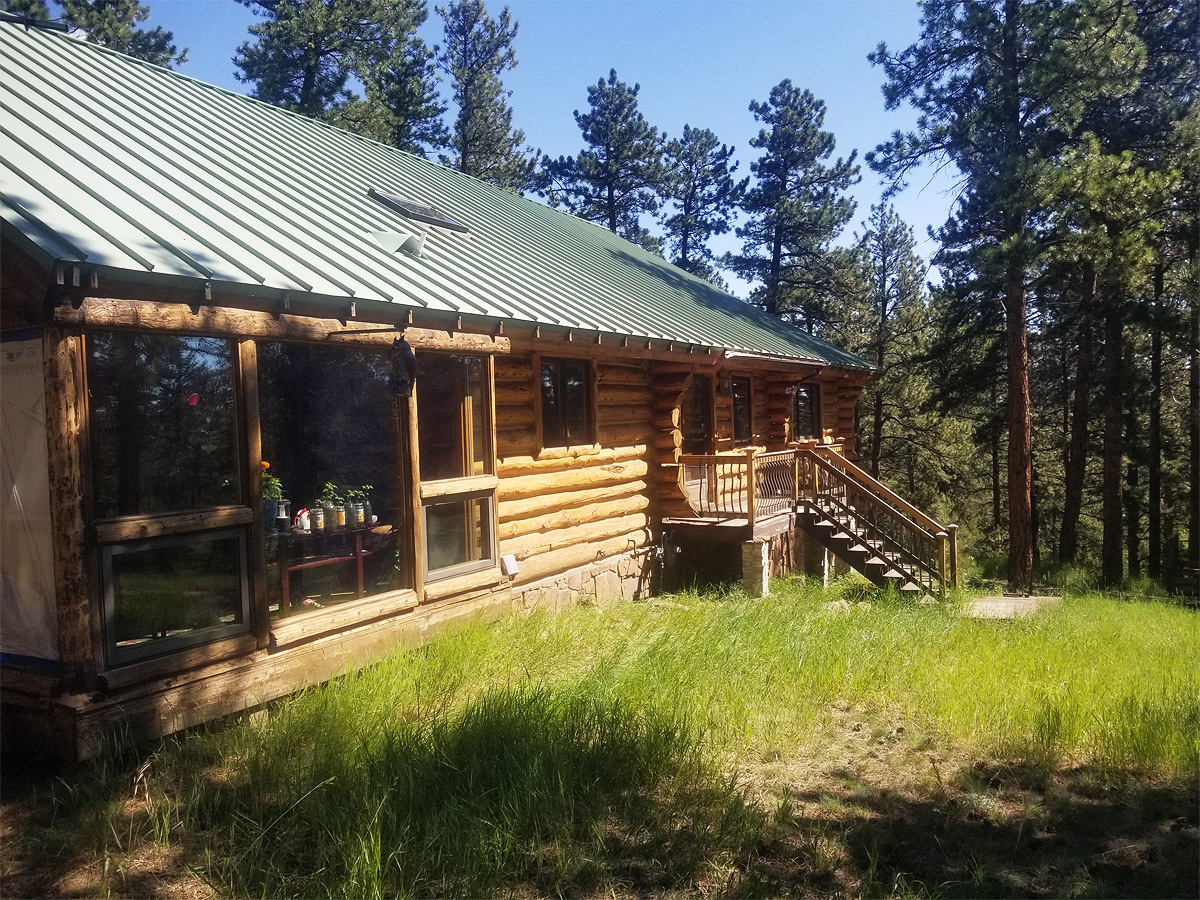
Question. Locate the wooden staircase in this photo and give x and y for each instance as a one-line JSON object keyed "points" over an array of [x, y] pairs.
{"points": [[753, 494], [871, 528]]}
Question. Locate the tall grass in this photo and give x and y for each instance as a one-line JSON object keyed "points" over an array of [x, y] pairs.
{"points": [[597, 747]]}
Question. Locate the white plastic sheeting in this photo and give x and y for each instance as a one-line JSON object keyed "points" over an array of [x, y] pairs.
{"points": [[27, 622]]}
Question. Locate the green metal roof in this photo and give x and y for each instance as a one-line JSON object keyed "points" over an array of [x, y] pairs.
{"points": [[113, 162]]}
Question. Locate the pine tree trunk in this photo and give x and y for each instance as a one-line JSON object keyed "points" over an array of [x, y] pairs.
{"points": [[1154, 464], [1133, 513], [876, 434], [1020, 437], [1194, 430], [1016, 301], [997, 437], [1076, 467], [1114, 393]]}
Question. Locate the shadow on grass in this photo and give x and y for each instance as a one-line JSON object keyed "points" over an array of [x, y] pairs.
{"points": [[990, 831], [537, 791]]}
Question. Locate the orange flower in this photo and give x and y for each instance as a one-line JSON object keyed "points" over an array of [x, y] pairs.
{"points": [[266, 465]]}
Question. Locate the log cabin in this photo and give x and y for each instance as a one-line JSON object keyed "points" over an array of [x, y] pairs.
{"points": [[278, 399]]}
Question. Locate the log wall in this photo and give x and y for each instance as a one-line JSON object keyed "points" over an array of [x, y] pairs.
{"points": [[563, 508]]}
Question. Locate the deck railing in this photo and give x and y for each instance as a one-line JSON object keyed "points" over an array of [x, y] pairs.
{"points": [[753, 485]]}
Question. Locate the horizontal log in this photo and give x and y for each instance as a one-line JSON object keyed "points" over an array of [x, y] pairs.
{"points": [[623, 395], [668, 439], [539, 542], [616, 415], [545, 565], [562, 459], [514, 416], [515, 487], [520, 516], [514, 392], [177, 317], [674, 508], [514, 443], [666, 419], [632, 434], [514, 368], [628, 375]]}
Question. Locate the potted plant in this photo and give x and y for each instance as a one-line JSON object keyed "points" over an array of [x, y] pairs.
{"points": [[331, 502], [272, 493], [357, 505]]}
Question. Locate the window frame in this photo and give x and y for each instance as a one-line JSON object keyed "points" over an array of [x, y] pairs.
{"points": [[470, 487], [117, 656], [734, 382], [120, 534], [590, 411], [814, 393]]}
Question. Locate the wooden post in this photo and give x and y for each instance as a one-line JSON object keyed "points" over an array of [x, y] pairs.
{"points": [[795, 478], [63, 362], [953, 529], [943, 564], [260, 613], [751, 487]]}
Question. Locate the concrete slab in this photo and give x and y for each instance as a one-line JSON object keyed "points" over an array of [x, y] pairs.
{"points": [[1007, 606]]}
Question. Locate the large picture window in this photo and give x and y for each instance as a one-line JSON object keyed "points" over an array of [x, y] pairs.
{"points": [[163, 418], [566, 386], [330, 434], [163, 415], [458, 484]]}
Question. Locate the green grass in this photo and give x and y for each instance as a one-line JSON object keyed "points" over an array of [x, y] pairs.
{"points": [[634, 748]]}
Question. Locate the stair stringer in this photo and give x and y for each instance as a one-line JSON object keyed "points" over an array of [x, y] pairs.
{"points": [[840, 539]]}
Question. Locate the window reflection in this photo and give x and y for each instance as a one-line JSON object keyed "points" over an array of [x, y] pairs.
{"points": [[330, 431], [454, 429], [174, 592], [565, 403], [805, 417], [163, 423]]}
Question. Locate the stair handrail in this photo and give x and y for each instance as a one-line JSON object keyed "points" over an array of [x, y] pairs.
{"points": [[877, 487], [924, 571], [944, 539]]}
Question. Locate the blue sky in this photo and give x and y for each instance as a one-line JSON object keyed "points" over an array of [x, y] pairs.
{"points": [[699, 62]]}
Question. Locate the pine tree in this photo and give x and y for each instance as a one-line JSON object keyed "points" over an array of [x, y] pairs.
{"points": [[619, 174], [112, 24], [705, 198], [1000, 85], [796, 208], [895, 322], [478, 50], [307, 52]]}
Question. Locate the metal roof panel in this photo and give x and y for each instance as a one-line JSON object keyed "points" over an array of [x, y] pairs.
{"points": [[140, 168]]}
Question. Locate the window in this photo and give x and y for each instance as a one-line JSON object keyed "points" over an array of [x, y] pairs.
{"points": [[458, 531], [164, 456], [695, 415], [163, 425], [566, 398], [455, 429], [458, 485], [806, 418], [330, 433], [742, 411], [174, 592]]}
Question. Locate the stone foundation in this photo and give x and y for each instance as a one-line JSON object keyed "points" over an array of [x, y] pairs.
{"points": [[627, 576]]}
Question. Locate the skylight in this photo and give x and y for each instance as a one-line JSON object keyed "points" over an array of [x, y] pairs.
{"points": [[416, 211]]}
